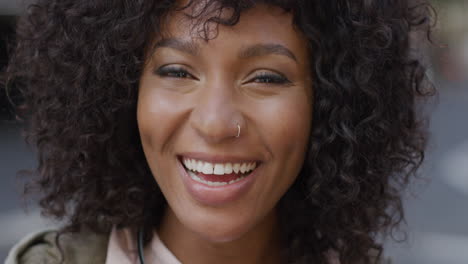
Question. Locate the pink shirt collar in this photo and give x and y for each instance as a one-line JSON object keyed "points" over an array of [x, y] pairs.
{"points": [[122, 249]]}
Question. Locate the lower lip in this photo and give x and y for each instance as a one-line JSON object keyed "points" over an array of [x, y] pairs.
{"points": [[217, 195]]}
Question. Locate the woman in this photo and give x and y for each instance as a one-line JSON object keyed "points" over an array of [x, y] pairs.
{"points": [[219, 131]]}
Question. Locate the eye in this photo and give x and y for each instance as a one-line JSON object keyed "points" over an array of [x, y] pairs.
{"points": [[270, 78], [173, 72]]}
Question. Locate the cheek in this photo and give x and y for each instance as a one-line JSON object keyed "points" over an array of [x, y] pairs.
{"points": [[285, 128], [146, 124], [289, 127], [156, 122], [149, 120], [158, 115], [148, 117]]}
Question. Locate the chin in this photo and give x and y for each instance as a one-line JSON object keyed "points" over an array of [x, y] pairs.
{"points": [[222, 229], [222, 235]]}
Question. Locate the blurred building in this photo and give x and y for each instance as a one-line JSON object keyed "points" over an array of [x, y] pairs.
{"points": [[437, 219], [451, 37]]}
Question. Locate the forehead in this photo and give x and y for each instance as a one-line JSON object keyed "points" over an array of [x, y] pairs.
{"points": [[261, 23]]}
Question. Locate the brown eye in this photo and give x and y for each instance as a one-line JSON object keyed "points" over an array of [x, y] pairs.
{"points": [[270, 78], [173, 72]]}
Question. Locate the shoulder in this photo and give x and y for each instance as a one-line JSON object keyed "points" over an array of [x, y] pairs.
{"points": [[49, 247]]}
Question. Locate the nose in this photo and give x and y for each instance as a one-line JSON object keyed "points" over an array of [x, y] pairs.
{"points": [[216, 116]]}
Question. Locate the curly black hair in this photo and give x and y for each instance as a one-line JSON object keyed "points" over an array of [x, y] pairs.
{"points": [[77, 64]]}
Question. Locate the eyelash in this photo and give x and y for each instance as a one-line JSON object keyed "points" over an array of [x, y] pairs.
{"points": [[263, 77], [173, 72], [269, 78]]}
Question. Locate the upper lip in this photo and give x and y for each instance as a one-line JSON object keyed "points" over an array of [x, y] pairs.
{"points": [[218, 158]]}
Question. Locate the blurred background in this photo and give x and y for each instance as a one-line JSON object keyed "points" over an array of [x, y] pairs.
{"points": [[436, 207]]}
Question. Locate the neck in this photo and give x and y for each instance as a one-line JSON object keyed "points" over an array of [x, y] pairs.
{"points": [[259, 245]]}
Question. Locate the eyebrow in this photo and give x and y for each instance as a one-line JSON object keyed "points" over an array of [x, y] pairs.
{"points": [[256, 50], [185, 46], [266, 49]]}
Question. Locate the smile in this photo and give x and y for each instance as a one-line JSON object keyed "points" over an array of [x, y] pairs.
{"points": [[217, 174]]}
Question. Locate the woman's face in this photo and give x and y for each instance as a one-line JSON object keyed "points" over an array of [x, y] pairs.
{"points": [[194, 94]]}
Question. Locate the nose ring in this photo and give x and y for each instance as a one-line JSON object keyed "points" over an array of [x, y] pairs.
{"points": [[238, 130]]}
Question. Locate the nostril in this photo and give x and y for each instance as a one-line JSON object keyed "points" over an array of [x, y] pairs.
{"points": [[215, 124]]}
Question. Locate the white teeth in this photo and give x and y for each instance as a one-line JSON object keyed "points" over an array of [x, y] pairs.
{"points": [[209, 183], [243, 168], [218, 168], [199, 166], [228, 168], [207, 168], [187, 164], [236, 167]]}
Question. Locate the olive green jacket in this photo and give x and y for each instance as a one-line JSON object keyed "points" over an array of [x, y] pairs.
{"points": [[41, 248]]}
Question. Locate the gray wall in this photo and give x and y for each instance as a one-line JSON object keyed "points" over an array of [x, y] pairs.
{"points": [[8, 7]]}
